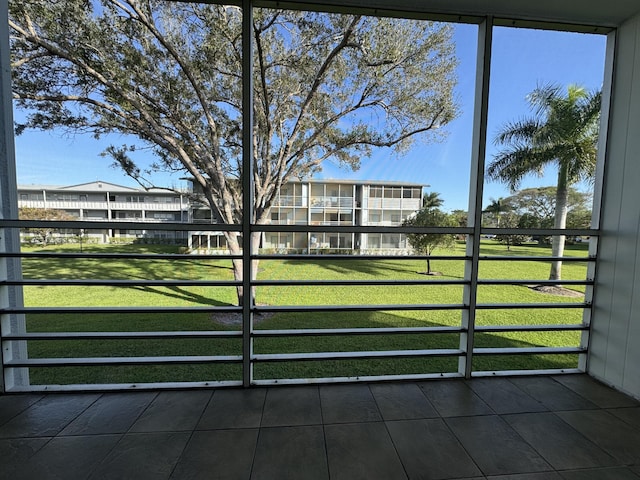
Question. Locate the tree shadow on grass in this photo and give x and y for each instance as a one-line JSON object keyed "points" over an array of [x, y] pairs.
{"points": [[288, 369], [136, 269], [405, 265], [180, 293], [387, 342]]}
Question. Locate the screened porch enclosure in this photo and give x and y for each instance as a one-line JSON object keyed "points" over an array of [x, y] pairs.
{"points": [[328, 303]]}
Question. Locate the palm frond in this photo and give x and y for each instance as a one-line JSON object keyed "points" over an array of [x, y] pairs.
{"points": [[522, 130], [563, 130]]}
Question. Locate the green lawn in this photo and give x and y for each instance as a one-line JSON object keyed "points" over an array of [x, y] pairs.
{"points": [[321, 269]]}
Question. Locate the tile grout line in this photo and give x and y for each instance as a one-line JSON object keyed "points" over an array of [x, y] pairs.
{"points": [[191, 434], [255, 448]]}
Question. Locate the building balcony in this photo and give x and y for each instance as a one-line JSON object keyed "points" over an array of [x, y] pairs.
{"points": [[331, 223], [332, 202], [78, 205], [290, 202], [132, 220], [394, 203]]}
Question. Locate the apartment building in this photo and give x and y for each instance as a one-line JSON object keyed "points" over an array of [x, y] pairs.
{"points": [[312, 202], [328, 203], [343, 203], [104, 201]]}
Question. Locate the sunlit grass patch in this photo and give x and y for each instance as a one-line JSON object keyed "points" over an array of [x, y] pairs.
{"points": [[438, 305]]}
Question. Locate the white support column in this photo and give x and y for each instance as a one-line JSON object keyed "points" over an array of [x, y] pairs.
{"points": [[594, 242], [10, 268], [247, 189], [474, 216]]}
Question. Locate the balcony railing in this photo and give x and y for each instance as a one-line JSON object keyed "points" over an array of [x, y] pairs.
{"points": [[78, 205], [331, 222], [332, 202], [411, 204], [421, 326], [289, 201]]}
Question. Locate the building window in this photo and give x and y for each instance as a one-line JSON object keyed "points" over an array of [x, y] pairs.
{"points": [[375, 192]]}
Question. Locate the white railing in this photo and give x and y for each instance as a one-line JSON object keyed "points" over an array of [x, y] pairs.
{"points": [[332, 202], [81, 205], [411, 204], [200, 274]]}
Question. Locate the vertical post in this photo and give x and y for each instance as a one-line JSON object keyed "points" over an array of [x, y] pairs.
{"points": [[10, 268], [603, 134], [247, 191], [474, 217]]}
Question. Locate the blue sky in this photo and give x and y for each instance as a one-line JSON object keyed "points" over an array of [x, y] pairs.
{"points": [[521, 59]]}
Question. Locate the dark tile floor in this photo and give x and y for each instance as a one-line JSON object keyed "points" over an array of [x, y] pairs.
{"points": [[534, 428]]}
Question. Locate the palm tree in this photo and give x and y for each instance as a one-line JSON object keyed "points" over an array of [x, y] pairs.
{"points": [[562, 132], [432, 200], [496, 208]]}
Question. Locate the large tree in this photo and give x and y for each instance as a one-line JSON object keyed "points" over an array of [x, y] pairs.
{"points": [[43, 235], [563, 132], [169, 75], [539, 204]]}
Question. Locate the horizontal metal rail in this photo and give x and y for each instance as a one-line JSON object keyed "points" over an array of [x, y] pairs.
{"points": [[123, 335], [115, 309], [115, 256], [356, 308], [98, 361], [306, 332], [529, 351], [534, 258], [271, 283], [286, 308], [356, 379], [121, 387], [540, 232], [66, 282], [490, 281], [341, 257], [436, 282], [530, 328], [290, 357], [318, 332], [526, 306], [185, 226], [288, 257], [275, 283], [520, 373]]}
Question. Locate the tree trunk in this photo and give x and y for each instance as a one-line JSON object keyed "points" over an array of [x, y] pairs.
{"points": [[428, 266], [235, 248], [560, 222]]}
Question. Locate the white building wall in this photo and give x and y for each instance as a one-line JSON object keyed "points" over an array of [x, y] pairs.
{"points": [[615, 341]]}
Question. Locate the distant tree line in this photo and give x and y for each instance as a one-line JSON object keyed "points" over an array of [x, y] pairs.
{"points": [[535, 208]]}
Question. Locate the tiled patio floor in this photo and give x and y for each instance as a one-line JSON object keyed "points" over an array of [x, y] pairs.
{"points": [[534, 428]]}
